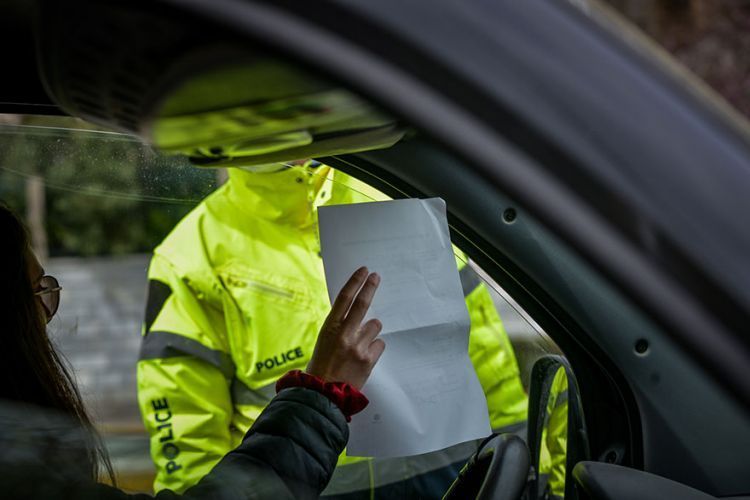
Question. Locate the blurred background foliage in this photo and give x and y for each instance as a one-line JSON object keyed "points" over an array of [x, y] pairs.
{"points": [[93, 192]]}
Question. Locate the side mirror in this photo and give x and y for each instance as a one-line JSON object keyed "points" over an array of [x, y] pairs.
{"points": [[557, 436]]}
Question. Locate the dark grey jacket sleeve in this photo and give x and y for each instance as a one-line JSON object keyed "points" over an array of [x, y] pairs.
{"points": [[289, 452], [292, 447]]}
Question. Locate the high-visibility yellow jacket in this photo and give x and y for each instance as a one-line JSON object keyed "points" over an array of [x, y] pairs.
{"points": [[555, 436], [237, 296]]}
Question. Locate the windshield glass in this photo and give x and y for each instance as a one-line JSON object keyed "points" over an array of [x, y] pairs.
{"points": [[98, 204]]}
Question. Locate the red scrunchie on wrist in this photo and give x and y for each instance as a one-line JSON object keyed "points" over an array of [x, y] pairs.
{"points": [[348, 398]]}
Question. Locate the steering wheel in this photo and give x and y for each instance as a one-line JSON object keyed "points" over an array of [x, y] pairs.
{"points": [[498, 470]]}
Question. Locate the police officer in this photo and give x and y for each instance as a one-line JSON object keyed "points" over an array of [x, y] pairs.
{"points": [[236, 297]]}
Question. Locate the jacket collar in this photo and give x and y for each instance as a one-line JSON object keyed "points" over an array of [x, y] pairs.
{"points": [[288, 197]]}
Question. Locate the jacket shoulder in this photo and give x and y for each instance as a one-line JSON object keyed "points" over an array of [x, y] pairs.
{"points": [[186, 247]]}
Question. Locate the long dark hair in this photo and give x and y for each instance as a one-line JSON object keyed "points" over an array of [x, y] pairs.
{"points": [[31, 370]]}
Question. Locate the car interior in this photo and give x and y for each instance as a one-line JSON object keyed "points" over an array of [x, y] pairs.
{"points": [[143, 127]]}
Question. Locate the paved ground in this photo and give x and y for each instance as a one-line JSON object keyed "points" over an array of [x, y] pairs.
{"points": [[98, 330]]}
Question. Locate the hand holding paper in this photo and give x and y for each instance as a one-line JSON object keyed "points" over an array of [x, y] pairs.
{"points": [[424, 394], [346, 349]]}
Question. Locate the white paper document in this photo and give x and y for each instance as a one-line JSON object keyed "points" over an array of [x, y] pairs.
{"points": [[424, 393]]}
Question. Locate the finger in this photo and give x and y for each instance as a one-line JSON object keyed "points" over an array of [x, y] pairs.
{"points": [[376, 350], [362, 303], [369, 331], [347, 294]]}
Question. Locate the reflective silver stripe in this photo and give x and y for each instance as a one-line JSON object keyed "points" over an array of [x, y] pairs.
{"points": [[470, 280], [243, 395], [397, 469], [349, 478], [561, 398], [543, 481], [357, 476], [162, 345]]}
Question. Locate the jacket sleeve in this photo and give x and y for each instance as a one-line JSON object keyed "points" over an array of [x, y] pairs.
{"points": [[184, 375], [296, 440], [292, 453], [556, 434], [492, 355]]}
